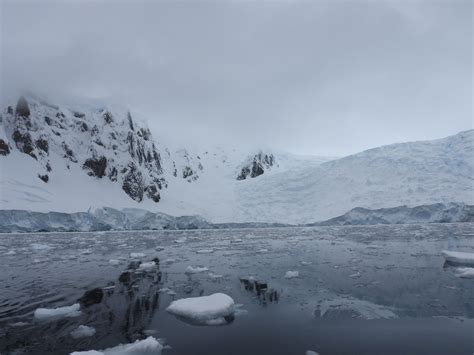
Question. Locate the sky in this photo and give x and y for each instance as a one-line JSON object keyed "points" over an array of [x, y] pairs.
{"points": [[309, 77]]}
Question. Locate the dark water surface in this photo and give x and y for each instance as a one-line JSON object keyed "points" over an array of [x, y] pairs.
{"points": [[360, 290]]}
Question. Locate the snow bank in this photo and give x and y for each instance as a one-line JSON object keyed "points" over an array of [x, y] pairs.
{"points": [[292, 274], [56, 313], [465, 272], [459, 258], [215, 309], [148, 346], [83, 331], [195, 270]]}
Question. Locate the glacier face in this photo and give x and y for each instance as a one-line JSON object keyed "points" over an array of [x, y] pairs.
{"points": [[70, 158]]}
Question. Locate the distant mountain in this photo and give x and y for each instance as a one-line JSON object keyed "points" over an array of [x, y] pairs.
{"points": [[435, 213], [71, 157]]}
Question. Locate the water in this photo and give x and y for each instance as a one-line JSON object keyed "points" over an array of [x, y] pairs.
{"points": [[360, 290]]}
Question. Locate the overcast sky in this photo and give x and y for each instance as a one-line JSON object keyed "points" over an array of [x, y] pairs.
{"points": [[310, 77]]}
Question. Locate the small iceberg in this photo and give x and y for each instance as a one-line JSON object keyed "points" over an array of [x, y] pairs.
{"points": [[216, 309], [195, 270], [464, 272], [44, 314], [82, 331], [458, 257], [148, 346], [292, 274]]}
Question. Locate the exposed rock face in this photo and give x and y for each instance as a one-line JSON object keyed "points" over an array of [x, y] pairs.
{"points": [[24, 143], [45, 177], [22, 108], [97, 166], [133, 183], [257, 166], [4, 148]]}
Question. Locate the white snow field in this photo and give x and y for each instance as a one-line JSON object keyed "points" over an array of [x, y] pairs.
{"points": [[148, 346], [208, 310], [296, 189], [458, 257], [45, 314]]}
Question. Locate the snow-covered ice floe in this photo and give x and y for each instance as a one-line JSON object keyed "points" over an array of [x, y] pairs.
{"points": [[150, 266], [292, 274], [83, 331], [216, 309], [458, 257], [148, 346], [464, 272], [137, 255], [353, 308], [195, 270], [57, 313]]}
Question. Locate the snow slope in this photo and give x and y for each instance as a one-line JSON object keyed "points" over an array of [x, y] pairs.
{"points": [[141, 172]]}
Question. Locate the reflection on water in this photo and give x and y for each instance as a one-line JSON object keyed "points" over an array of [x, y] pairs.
{"points": [[357, 286]]}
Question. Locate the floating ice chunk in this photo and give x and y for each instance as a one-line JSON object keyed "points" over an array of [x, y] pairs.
{"points": [[86, 252], [306, 263], [148, 266], [195, 270], [148, 346], [205, 251], [180, 240], [11, 252], [170, 261], [354, 308], [356, 275], [57, 313], [37, 246], [236, 241], [216, 309], [137, 255], [215, 276], [83, 331], [458, 258], [168, 291], [464, 272], [311, 352], [159, 248], [262, 251], [292, 274], [114, 262]]}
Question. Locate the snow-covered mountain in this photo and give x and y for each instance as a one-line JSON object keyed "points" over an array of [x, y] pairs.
{"points": [[71, 157], [435, 213]]}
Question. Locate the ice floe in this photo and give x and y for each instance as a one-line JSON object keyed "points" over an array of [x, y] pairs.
{"points": [[458, 257], [292, 274], [311, 352], [215, 309], [114, 262], [195, 269], [137, 255], [57, 313], [83, 331], [148, 346], [39, 247], [150, 266]]}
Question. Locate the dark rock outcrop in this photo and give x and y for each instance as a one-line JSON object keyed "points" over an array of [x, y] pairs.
{"points": [[257, 166], [133, 183], [96, 166], [44, 177], [22, 108], [4, 148], [24, 143], [153, 193]]}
